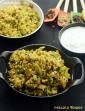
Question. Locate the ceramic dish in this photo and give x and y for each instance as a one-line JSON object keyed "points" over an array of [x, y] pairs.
{"points": [[72, 38], [36, 7], [72, 62]]}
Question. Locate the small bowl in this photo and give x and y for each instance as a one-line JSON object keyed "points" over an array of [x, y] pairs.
{"points": [[36, 7], [70, 44]]}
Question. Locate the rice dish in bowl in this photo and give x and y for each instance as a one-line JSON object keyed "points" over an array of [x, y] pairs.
{"points": [[19, 20], [38, 72]]}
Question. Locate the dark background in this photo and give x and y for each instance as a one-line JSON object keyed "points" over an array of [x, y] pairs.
{"points": [[10, 101]]}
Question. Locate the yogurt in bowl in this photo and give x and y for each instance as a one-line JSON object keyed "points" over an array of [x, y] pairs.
{"points": [[72, 38]]}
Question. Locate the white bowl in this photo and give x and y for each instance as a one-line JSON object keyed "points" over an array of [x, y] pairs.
{"points": [[36, 7]]}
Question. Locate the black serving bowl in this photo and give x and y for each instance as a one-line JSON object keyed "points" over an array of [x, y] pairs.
{"points": [[74, 53], [72, 62]]}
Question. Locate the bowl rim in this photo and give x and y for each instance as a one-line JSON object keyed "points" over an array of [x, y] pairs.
{"points": [[27, 35], [65, 28]]}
